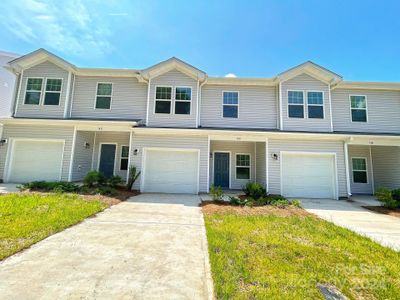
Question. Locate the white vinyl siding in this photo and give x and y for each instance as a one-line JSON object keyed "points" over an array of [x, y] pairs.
{"points": [[306, 84], [82, 156], [43, 70], [39, 132], [275, 146], [386, 166], [383, 111], [234, 148], [172, 142], [260, 158], [129, 98], [257, 107], [172, 79]]}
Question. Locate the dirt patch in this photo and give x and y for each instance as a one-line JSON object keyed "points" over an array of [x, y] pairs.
{"points": [[210, 208], [384, 210]]}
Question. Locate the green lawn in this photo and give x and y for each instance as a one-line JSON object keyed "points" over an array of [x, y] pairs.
{"points": [[28, 218], [284, 257]]}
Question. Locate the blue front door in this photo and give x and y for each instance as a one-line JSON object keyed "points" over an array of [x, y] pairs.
{"points": [[221, 169], [107, 159]]}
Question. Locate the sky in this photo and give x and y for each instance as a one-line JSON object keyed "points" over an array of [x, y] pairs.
{"points": [[359, 40]]}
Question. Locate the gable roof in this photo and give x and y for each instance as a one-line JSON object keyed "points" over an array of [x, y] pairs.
{"points": [[170, 64], [313, 70]]}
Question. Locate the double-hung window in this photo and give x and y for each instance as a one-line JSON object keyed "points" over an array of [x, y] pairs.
{"points": [[103, 95], [183, 96], [163, 100], [33, 91], [243, 166], [53, 91], [295, 104], [230, 106], [315, 105], [358, 108], [359, 167], [124, 158]]}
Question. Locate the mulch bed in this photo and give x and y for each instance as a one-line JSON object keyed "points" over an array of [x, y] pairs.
{"points": [[384, 210], [214, 207]]}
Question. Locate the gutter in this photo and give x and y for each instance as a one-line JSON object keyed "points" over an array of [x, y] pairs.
{"points": [[199, 101]]}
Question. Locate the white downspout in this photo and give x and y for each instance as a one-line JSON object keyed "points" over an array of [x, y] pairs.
{"points": [[280, 107], [129, 156], [330, 107], [372, 170], [67, 95], [199, 101], [148, 102]]}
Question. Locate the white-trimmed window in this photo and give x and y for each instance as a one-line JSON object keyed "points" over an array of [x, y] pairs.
{"points": [[359, 168], [315, 105], [230, 105], [295, 104], [243, 166], [163, 100], [358, 105], [124, 158], [33, 91], [53, 91], [103, 95], [183, 97]]}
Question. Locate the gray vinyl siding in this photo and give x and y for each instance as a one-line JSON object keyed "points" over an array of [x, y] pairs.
{"points": [[386, 166], [383, 111], [184, 142], [261, 160], [234, 148], [39, 132], [43, 70], [275, 146], [360, 151], [305, 83], [112, 137], [82, 156], [257, 107], [174, 79], [129, 98]]}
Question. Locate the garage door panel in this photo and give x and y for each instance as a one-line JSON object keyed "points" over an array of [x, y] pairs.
{"points": [[171, 171], [308, 175], [36, 160]]}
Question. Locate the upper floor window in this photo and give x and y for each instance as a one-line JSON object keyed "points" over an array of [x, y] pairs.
{"points": [[124, 158], [103, 95], [53, 92], [33, 91], [183, 96], [242, 166], [315, 105], [230, 105], [163, 100], [359, 167], [358, 106], [295, 104]]}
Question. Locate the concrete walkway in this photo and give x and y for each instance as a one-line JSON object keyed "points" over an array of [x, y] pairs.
{"points": [[152, 247], [381, 228], [8, 188]]}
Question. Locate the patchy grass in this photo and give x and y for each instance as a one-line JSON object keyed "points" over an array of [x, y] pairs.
{"points": [[26, 218], [281, 254]]}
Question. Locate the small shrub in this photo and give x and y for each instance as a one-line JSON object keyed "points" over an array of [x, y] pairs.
{"points": [[241, 202], [133, 176], [296, 203], [106, 191], [254, 190], [281, 203], [94, 178], [396, 195], [386, 196], [84, 190], [216, 193], [115, 181], [50, 186]]}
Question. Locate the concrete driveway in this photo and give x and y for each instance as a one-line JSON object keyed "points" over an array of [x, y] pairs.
{"points": [[152, 247], [381, 228]]}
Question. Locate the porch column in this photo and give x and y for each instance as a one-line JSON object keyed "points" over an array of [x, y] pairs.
{"points": [[129, 156], [346, 159], [266, 166]]}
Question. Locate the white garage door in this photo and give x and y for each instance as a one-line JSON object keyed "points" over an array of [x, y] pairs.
{"points": [[171, 171], [35, 160], [308, 175]]}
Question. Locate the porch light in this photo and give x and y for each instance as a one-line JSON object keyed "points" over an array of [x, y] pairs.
{"points": [[3, 141], [87, 145], [135, 152], [274, 156]]}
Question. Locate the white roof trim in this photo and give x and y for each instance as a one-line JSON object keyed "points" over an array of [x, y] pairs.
{"points": [[368, 85], [240, 81], [171, 64], [313, 70]]}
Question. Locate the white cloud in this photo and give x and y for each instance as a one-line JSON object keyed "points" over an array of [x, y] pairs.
{"points": [[230, 75], [66, 26]]}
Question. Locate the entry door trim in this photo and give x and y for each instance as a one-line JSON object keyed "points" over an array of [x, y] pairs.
{"points": [[333, 154], [230, 165], [115, 155]]}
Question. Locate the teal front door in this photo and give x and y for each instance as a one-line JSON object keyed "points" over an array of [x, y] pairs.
{"points": [[221, 169], [107, 159]]}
